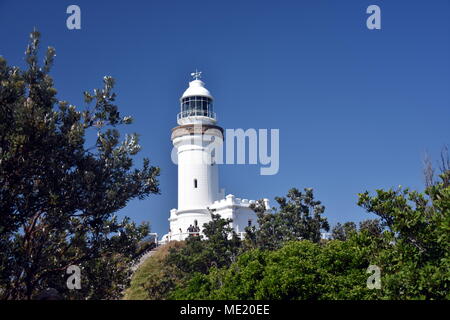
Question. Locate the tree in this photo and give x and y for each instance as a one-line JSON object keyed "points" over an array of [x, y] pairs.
{"points": [[58, 197], [429, 170], [415, 259], [372, 227], [410, 243], [299, 270], [219, 248], [343, 232], [299, 217]]}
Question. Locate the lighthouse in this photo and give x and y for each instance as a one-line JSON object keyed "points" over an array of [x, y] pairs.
{"points": [[198, 173], [198, 179]]}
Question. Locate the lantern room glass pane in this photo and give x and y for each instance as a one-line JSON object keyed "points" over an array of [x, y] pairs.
{"points": [[196, 106]]}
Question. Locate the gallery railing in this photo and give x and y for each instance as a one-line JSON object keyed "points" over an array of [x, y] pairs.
{"points": [[196, 113]]}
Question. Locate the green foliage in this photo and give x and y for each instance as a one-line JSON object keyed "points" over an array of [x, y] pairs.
{"points": [[343, 232], [196, 255], [299, 270], [57, 197], [409, 242], [416, 263], [372, 227], [219, 248], [299, 217]]}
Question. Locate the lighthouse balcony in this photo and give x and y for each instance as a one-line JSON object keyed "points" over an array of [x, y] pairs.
{"points": [[196, 113]]}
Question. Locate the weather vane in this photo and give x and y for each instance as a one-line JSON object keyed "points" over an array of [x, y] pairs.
{"points": [[196, 75]]}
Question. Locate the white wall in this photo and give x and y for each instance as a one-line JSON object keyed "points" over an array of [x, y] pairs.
{"points": [[191, 166], [229, 208]]}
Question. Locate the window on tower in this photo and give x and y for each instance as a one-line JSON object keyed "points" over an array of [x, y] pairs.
{"points": [[195, 183]]}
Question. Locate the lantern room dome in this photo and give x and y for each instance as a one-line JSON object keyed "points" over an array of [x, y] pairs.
{"points": [[196, 89]]}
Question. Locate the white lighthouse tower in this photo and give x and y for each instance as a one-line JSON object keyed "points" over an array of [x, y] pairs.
{"points": [[198, 174]]}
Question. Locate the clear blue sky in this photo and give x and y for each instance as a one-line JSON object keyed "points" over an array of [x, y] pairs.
{"points": [[357, 109]]}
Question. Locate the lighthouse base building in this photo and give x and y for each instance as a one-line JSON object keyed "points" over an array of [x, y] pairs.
{"points": [[229, 207], [198, 174]]}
